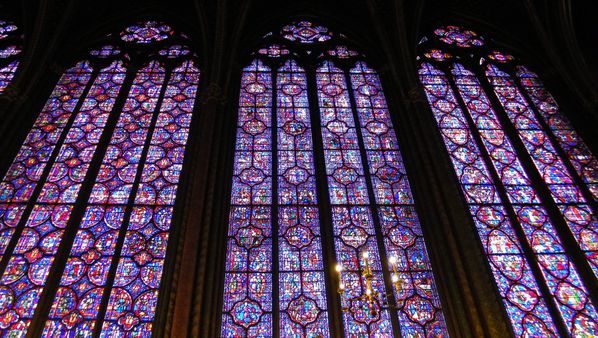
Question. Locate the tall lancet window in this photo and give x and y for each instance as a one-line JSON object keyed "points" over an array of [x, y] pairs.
{"points": [[319, 180], [86, 206], [527, 176], [10, 53]]}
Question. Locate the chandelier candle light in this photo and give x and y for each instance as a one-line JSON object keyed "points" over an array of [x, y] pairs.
{"points": [[371, 296]]}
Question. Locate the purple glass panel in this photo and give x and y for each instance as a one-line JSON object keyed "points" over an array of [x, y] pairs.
{"points": [[44, 229], [522, 298], [71, 164], [560, 274], [132, 302], [353, 226], [584, 162], [25, 276], [115, 179], [565, 192], [80, 292], [247, 310], [27, 168], [29, 164], [303, 308], [418, 301]]}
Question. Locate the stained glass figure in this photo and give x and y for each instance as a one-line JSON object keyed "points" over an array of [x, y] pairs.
{"points": [[275, 252], [116, 245], [146, 32], [9, 53], [488, 147]]}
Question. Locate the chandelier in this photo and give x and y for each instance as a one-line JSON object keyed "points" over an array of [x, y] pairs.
{"points": [[370, 297]]}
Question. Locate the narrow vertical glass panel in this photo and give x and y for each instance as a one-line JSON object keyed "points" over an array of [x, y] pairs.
{"points": [[516, 284], [79, 294], [6, 74], [418, 301], [30, 263], [565, 192], [29, 164], [584, 162], [247, 309], [352, 219], [133, 300], [71, 164], [26, 169], [561, 276], [302, 288]]}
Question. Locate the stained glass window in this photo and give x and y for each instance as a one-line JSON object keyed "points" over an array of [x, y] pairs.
{"points": [[96, 182], [146, 32], [305, 32], [318, 174], [527, 177], [10, 50]]}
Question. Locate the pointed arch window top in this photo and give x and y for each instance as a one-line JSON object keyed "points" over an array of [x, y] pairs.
{"points": [[146, 32], [306, 32], [458, 36]]}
